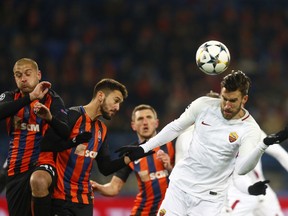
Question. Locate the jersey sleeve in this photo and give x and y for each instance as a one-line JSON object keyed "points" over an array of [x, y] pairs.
{"points": [[176, 127], [9, 106], [105, 164], [250, 151], [53, 142], [123, 173], [59, 121]]}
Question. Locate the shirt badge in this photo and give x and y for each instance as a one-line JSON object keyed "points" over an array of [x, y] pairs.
{"points": [[233, 136], [2, 96]]}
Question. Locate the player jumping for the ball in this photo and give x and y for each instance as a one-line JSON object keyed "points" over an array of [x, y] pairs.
{"points": [[226, 138]]}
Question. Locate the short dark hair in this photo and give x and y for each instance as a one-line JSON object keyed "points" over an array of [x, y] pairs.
{"points": [[108, 85], [237, 80], [143, 107]]}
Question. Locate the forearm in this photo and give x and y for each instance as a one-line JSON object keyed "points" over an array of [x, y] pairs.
{"points": [[168, 133], [11, 107], [107, 166], [246, 164], [280, 154], [60, 127], [107, 189]]}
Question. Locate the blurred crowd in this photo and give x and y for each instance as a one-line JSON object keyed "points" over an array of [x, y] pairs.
{"points": [[150, 46]]}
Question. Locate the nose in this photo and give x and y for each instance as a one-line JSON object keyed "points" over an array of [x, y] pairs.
{"points": [[117, 106], [23, 78], [228, 105]]}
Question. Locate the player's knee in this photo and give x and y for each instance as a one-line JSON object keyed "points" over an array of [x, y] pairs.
{"points": [[40, 182]]}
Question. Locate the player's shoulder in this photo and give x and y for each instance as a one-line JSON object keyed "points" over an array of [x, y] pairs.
{"points": [[207, 101], [9, 95], [73, 109], [204, 103], [248, 119], [54, 94], [74, 113], [249, 125]]}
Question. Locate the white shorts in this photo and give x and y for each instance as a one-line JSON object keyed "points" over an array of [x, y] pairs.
{"points": [[269, 204], [178, 202], [249, 205]]}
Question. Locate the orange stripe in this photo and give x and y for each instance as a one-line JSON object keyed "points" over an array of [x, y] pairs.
{"points": [[16, 143]]}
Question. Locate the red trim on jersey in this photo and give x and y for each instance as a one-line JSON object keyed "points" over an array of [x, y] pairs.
{"points": [[245, 118], [235, 203]]}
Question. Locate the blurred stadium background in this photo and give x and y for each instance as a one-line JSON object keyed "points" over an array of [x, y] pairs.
{"points": [[150, 46]]}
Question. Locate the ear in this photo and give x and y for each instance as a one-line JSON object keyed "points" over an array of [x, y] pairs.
{"points": [[133, 126], [244, 99], [39, 75], [156, 123], [101, 96]]}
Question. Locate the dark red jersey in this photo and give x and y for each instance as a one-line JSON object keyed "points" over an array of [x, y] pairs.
{"points": [[74, 165], [26, 130], [152, 180]]}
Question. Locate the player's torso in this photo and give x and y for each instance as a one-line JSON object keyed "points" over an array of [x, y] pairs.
{"points": [[152, 180], [211, 156], [74, 165], [26, 130]]}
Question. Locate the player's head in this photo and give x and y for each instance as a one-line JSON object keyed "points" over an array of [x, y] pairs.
{"points": [[144, 121], [110, 94], [26, 74], [234, 94]]}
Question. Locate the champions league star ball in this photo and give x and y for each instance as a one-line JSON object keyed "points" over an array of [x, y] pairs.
{"points": [[212, 57]]}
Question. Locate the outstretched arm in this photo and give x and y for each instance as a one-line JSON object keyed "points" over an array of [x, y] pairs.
{"points": [[109, 189], [51, 142], [247, 163]]}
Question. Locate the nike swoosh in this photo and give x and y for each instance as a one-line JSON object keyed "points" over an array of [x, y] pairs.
{"points": [[137, 161], [205, 123]]}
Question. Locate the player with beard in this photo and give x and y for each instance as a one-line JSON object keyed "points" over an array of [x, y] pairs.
{"points": [[226, 139], [73, 193]]}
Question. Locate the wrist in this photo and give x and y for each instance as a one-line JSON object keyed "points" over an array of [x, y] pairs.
{"points": [[126, 160], [32, 97]]}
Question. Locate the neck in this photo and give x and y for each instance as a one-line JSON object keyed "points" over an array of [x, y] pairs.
{"points": [[92, 110], [241, 113]]}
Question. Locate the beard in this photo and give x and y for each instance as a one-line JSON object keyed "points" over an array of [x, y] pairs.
{"points": [[104, 112], [232, 114]]}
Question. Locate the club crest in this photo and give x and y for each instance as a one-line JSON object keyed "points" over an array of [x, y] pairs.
{"points": [[233, 136]]}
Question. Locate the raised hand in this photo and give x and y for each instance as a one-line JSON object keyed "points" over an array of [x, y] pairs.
{"points": [[165, 159], [40, 90], [95, 186], [277, 137], [258, 188], [42, 111]]}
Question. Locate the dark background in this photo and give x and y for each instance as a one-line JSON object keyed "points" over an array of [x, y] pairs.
{"points": [[150, 46]]}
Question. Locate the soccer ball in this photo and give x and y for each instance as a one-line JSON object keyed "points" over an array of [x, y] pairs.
{"points": [[212, 57]]}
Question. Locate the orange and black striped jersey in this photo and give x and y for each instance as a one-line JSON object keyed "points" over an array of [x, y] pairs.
{"points": [[152, 180], [26, 130], [74, 165]]}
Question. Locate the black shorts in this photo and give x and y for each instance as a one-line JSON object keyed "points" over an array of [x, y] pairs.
{"points": [[18, 191], [67, 208]]}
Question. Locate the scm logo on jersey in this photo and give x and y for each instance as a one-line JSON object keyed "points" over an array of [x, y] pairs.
{"points": [[145, 176], [91, 154], [82, 151], [25, 126]]}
